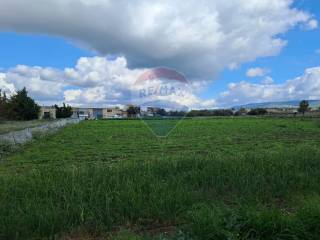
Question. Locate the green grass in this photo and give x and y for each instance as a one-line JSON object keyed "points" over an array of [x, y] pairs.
{"points": [[233, 178], [9, 126]]}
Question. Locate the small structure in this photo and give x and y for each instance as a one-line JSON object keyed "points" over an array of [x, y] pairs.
{"points": [[47, 112], [99, 113], [83, 113], [113, 112]]}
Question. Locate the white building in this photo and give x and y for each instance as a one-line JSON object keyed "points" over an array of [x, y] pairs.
{"points": [[47, 113]]}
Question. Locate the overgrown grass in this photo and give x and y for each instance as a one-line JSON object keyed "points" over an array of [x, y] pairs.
{"points": [[210, 179], [9, 126]]}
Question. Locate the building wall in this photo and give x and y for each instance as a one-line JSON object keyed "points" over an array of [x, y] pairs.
{"points": [[98, 113], [84, 113], [50, 111], [112, 112], [124, 114]]}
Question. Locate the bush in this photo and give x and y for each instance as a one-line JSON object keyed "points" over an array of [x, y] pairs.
{"points": [[258, 111], [64, 111], [210, 113]]}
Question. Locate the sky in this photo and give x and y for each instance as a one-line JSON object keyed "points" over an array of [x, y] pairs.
{"points": [[91, 52]]}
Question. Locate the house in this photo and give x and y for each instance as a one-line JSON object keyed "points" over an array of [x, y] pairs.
{"points": [[124, 114], [88, 113], [47, 112], [99, 113], [83, 113], [113, 112]]}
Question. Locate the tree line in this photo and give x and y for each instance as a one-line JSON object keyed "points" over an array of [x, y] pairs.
{"points": [[22, 107], [303, 108]]}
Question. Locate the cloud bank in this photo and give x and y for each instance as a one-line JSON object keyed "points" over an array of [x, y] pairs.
{"points": [[197, 37], [97, 82], [305, 87], [94, 82]]}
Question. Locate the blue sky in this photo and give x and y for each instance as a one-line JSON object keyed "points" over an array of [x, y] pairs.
{"points": [[31, 47], [299, 54], [38, 50]]}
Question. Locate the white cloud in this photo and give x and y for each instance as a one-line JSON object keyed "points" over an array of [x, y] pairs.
{"points": [[5, 86], [99, 82], [312, 24], [306, 86], [72, 95], [44, 84], [267, 80], [198, 37], [257, 72], [93, 82]]}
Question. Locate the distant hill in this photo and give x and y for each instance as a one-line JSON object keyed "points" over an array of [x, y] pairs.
{"points": [[287, 104]]}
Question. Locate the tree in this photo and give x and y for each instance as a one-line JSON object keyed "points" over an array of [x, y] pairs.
{"points": [[162, 112], [63, 112], [209, 113], [177, 113], [257, 111], [303, 107], [241, 112], [3, 104], [21, 107], [133, 111]]}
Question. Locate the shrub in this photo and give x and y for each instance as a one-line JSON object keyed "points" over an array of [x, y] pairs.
{"points": [[209, 113], [258, 111], [21, 107], [64, 111]]}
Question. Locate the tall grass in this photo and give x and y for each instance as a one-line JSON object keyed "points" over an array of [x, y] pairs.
{"points": [[9, 126], [226, 193]]}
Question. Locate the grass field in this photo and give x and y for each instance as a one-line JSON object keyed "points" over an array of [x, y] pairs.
{"points": [[233, 178], [8, 126]]}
